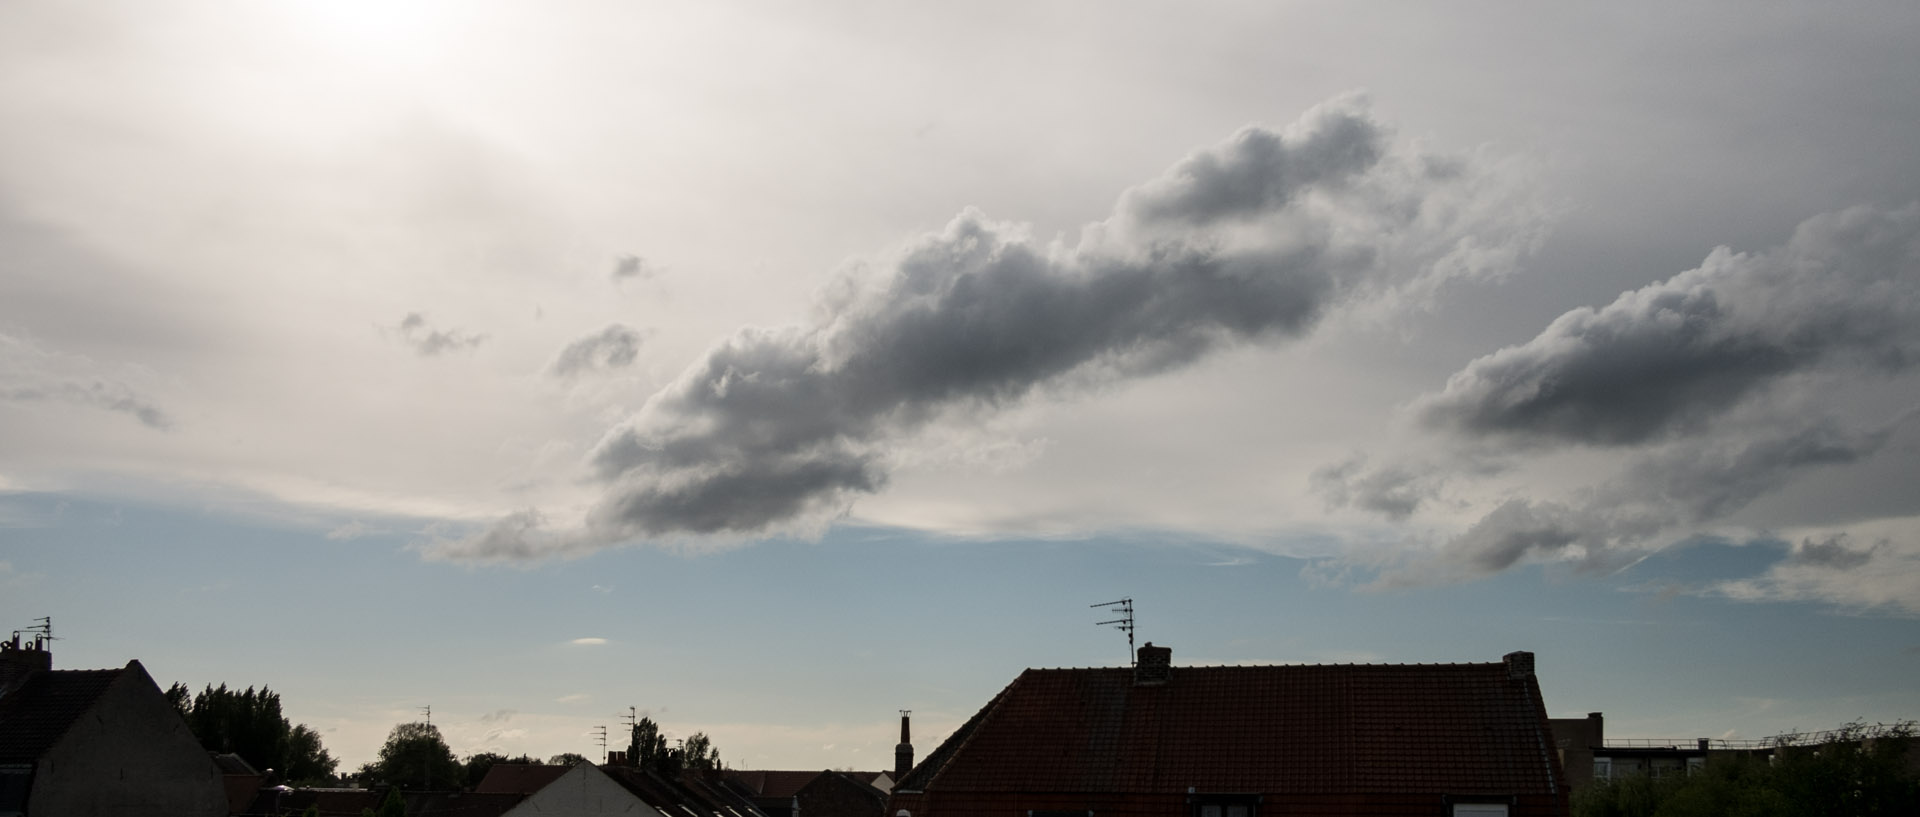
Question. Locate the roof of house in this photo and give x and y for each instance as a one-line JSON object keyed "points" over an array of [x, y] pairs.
{"points": [[461, 804], [689, 793], [856, 782], [1273, 729], [519, 778], [278, 800], [767, 783], [231, 763], [34, 717]]}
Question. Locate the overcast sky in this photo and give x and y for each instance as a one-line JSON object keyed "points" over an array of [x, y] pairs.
{"points": [[771, 368]]}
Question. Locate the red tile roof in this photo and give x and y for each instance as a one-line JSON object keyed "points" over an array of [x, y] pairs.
{"points": [[519, 778], [1273, 729], [37, 715]]}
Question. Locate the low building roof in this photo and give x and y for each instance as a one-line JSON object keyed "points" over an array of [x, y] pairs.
{"points": [[1275, 729], [519, 778], [687, 794]]}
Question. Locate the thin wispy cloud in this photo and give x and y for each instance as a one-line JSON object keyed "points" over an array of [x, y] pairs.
{"points": [[614, 347], [352, 530], [588, 642], [428, 341], [33, 374], [633, 266]]}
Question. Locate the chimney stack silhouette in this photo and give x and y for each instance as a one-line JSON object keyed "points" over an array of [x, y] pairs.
{"points": [[903, 753]]}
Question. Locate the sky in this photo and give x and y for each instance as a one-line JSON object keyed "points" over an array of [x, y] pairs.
{"points": [[769, 369]]}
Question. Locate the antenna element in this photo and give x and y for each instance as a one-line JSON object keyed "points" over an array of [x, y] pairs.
{"points": [[1125, 622]]}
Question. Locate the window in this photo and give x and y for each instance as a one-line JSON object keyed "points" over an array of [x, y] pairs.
{"points": [[1224, 805], [1478, 805], [1603, 768]]}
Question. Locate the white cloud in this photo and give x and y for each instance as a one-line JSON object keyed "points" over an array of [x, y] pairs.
{"points": [[588, 642]]}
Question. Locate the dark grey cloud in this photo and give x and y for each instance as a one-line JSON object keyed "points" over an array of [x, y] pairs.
{"points": [[611, 348], [1666, 359], [1833, 553], [428, 341], [1253, 240], [1696, 387], [1679, 486], [1393, 490], [633, 266]]}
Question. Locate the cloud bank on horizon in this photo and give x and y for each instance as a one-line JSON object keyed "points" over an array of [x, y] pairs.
{"points": [[1252, 241]]}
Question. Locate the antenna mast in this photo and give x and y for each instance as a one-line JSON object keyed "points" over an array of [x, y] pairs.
{"points": [[603, 743], [1125, 622], [427, 712]]}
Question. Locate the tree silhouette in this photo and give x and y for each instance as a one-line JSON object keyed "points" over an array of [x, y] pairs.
{"points": [[415, 756], [249, 724]]}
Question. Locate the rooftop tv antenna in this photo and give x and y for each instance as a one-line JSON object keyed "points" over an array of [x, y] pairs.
{"points": [[1124, 622], [603, 742], [427, 712]]}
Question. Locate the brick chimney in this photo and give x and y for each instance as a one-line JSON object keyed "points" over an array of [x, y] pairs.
{"points": [[19, 660], [1519, 665], [903, 753], [1152, 665]]}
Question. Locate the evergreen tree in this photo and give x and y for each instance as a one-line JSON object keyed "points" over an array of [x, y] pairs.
{"points": [[249, 724], [649, 749]]}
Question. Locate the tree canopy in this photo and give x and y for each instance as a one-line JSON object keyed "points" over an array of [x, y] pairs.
{"points": [[415, 756], [249, 724], [648, 748]]}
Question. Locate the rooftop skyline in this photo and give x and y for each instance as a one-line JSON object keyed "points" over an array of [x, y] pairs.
{"points": [[774, 369]]}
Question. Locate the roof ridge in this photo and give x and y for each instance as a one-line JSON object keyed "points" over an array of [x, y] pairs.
{"points": [[1384, 665]]}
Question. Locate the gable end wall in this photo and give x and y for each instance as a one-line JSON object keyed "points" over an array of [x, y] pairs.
{"points": [[130, 755]]}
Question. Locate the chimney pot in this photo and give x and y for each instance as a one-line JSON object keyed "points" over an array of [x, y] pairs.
{"points": [[17, 661], [1152, 665]]}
